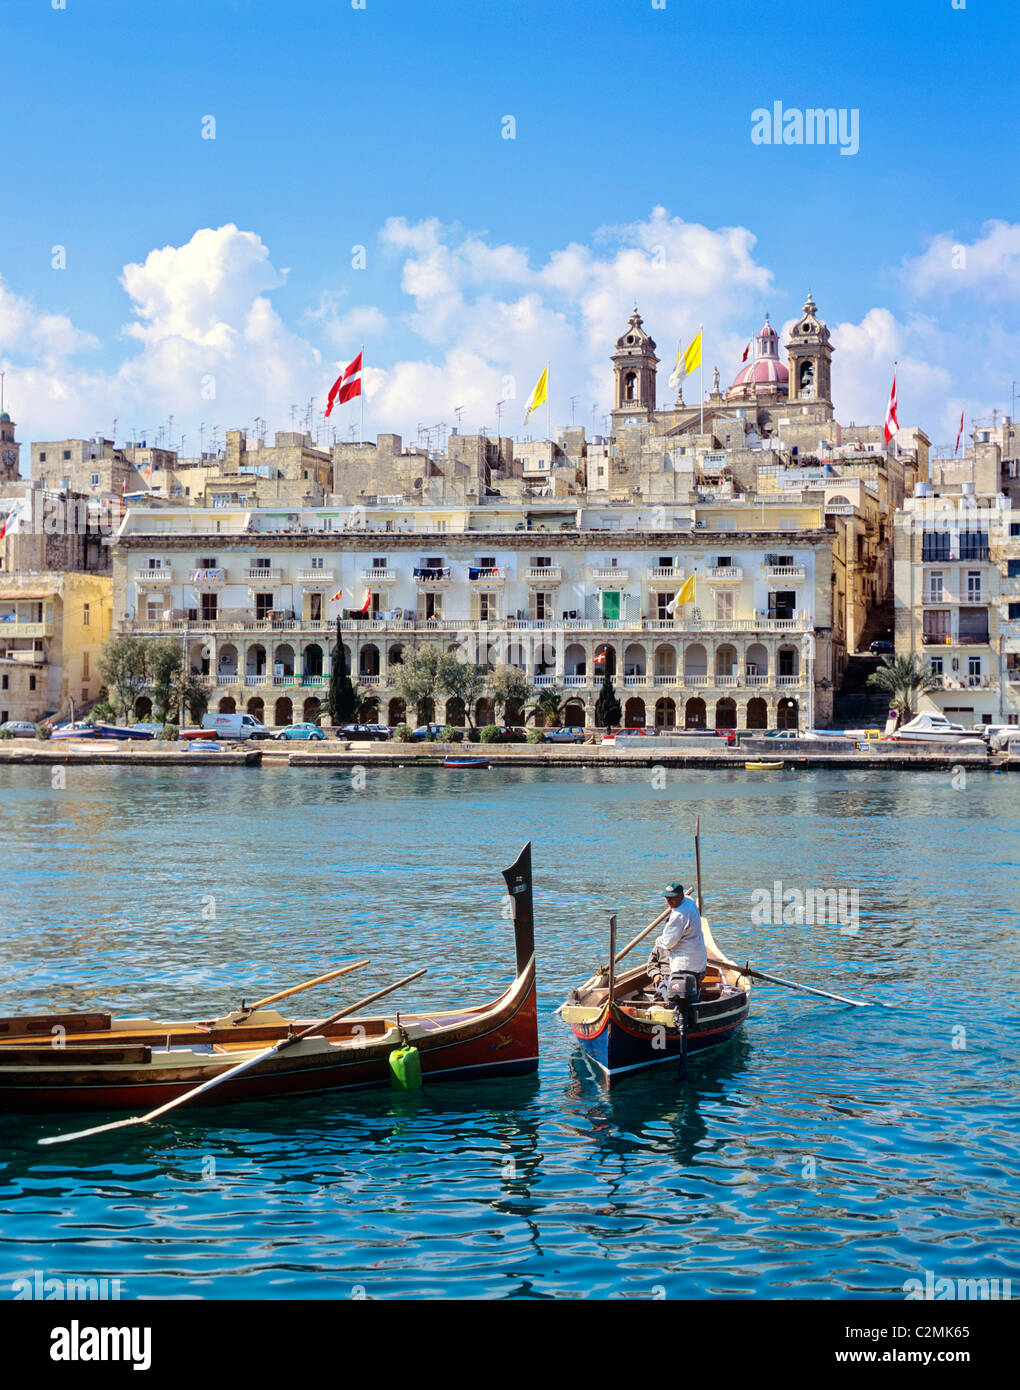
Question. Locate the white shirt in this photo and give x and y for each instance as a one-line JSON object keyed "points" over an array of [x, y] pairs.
{"points": [[682, 937]]}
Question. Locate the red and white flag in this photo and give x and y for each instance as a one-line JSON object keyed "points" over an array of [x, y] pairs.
{"points": [[891, 422], [959, 436], [746, 351], [346, 386], [9, 520], [367, 604]]}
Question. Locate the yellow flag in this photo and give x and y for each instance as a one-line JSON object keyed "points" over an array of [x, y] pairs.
{"points": [[539, 395], [692, 357], [686, 594]]}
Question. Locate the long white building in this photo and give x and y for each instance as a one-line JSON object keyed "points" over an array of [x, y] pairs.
{"points": [[562, 592]]}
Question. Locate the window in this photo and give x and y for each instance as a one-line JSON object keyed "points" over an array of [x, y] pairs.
{"points": [[936, 625], [31, 682], [379, 562], [934, 546], [208, 562], [974, 667], [487, 608], [1014, 612], [260, 564], [263, 606], [935, 586], [781, 604], [42, 457], [724, 562], [94, 479], [153, 563], [541, 562], [935, 665], [65, 484], [209, 605], [487, 562], [84, 666], [973, 545], [86, 615], [1013, 569], [67, 453], [973, 585], [662, 602], [665, 562], [316, 562], [724, 607], [785, 560], [543, 607], [1014, 528], [6, 683]]}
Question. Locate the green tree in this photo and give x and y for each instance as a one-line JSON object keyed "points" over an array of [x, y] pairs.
{"points": [[341, 694], [461, 680], [418, 684], [124, 670], [191, 691], [509, 683], [608, 710], [549, 704], [904, 679], [164, 662]]}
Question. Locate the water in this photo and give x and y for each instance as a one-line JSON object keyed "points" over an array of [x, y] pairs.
{"points": [[829, 1152]]}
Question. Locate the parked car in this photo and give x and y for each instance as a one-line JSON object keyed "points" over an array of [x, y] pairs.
{"points": [[20, 728], [630, 733], [424, 730], [779, 733], [364, 733], [383, 730], [510, 733], [566, 733], [881, 647], [302, 730], [240, 726], [730, 735]]}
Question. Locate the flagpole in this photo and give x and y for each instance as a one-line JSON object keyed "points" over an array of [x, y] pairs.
{"points": [[362, 393], [548, 412], [701, 368]]}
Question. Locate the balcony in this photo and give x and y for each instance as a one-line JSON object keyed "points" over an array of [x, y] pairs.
{"points": [[576, 682], [491, 574], [313, 579], [609, 574], [208, 579], [728, 572], [26, 630], [158, 577], [432, 577], [793, 572], [544, 574], [378, 576], [949, 596], [670, 572], [263, 576]]}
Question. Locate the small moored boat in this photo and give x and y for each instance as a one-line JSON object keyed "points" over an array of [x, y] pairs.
{"points": [[103, 1063], [764, 767], [466, 762]]}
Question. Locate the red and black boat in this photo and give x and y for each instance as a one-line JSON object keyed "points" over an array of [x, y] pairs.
{"points": [[93, 1062]]}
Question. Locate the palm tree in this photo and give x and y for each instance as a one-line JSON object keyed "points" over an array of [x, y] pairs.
{"points": [[549, 705], [904, 679]]}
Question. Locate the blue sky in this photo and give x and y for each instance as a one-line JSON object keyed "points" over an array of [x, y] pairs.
{"points": [[381, 127]]}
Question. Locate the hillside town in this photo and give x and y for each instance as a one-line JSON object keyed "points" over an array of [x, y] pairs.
{"points": [[814, 546]]}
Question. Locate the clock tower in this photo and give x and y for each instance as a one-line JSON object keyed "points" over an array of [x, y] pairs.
{"points": [[809, 352], [9, 451], [634, 364]]}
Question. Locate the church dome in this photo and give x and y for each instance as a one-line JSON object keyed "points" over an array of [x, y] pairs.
{"points": [[763, 371], [5, 419]]}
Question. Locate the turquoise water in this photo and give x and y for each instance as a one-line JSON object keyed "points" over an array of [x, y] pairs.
{"points": [[829, 1152]]}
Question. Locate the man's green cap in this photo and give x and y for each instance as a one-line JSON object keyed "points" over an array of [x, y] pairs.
{"points": [[673, 890]]}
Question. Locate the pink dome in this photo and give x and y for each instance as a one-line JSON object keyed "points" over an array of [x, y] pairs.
{"points": [[761, 372]]}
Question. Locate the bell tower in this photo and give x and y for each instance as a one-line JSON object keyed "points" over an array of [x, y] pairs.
{"points": [[634, 364], [810, 357], [9, 450]]}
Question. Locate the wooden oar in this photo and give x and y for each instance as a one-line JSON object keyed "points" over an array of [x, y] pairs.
{"points": [[241, 1066], [790, 984], [297, 989], [619, 955]]}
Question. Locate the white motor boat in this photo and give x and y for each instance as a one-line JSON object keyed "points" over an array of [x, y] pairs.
{"points": [[935, 728]]}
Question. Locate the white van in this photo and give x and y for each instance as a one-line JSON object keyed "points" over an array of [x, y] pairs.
{"points": [[238, 726]]}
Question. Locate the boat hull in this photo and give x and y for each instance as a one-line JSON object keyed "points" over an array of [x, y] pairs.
{"points": [[619, 1043], [500, 1039]]}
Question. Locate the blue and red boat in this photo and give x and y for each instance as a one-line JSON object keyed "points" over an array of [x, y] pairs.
{"points": [[623, 1027]]}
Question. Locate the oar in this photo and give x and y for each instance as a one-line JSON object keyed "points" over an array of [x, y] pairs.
{"points": [[619, 955], [241, 1066], [790, 984], [297, 989]]}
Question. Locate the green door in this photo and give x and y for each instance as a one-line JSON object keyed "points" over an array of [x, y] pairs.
{"points": [[611, 606]]}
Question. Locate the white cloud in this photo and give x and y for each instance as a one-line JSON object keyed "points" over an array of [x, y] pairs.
{"points": [[988, 266]]}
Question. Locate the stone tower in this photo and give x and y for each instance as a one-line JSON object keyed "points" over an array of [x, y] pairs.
{"points": [[634, 364], [810, 356], [9, 451]]}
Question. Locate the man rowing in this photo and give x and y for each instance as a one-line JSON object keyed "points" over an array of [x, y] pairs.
{"points": [[678, 959]]}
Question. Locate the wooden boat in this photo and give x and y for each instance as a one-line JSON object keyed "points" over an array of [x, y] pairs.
{"points": [[90, 1061], [466, 762], [623, 1027], [764, 767]]}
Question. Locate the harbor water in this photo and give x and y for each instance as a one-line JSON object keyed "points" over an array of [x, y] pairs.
{"points": [[829, 1152]]}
